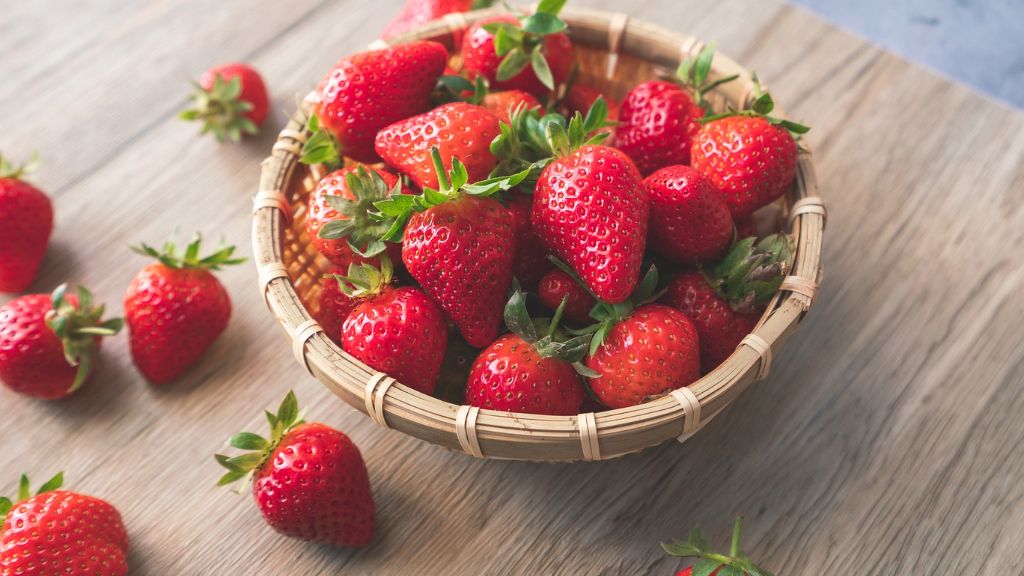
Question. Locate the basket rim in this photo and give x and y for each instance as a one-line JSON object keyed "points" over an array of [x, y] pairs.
{"points": [[495, 434]]}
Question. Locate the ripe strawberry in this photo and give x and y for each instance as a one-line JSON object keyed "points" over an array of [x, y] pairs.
{"points": [[309, 480], [530, 262], [26, 221], [726, 302], [690, 222], [396, 330], [335, 306], [49, 343], [532, 54], [557, 285], [581, 97], [590, 209], [504, 102], [368, 91], [60, 532], [529, 370], [230, 100], [458, 245], [457, 129], [736, 563], [338, 219], [749, 156], [641, 350], [415, 13], [176, 308], [657, 122]]}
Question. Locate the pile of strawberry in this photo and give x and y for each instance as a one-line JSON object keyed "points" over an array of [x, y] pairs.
{"points": [[492, 200]]}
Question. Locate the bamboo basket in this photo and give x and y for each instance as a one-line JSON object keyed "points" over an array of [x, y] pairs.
{"points": [[614, 53]]}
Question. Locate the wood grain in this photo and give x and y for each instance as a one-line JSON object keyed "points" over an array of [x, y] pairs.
{"points": [[886, 441]]}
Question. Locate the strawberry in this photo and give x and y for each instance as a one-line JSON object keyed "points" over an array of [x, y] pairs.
{"points": [[590, 209], [309, 480], [726, 302], [641, 350], [504, 102], [337, 217], [690, 222], [458, 130], [26, 221], [581, 97], [530, 262], [712, 563], [49, 343], [529, 370], [657, 122], [458, 245], [532, 53], [394, 329], [61, 532], [368, 91], [335, 306], [176, 308], [415, 13], [556, 286], [230, 100], [749, 156]]}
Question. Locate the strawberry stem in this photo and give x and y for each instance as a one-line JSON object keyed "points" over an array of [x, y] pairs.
{"points": [[244, 465], [14, 171], [77, 325], [221, 109], [168, 255]]}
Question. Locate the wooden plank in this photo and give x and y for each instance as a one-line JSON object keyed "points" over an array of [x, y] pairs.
{"points": [[885, 441]]}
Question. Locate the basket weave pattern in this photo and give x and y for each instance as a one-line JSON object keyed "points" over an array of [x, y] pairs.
{"points": [[614, 54]]}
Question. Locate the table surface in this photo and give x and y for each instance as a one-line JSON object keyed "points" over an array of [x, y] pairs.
{"points": [[886, 440]]}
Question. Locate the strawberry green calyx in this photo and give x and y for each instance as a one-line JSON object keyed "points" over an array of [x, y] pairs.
{"points": [[397, 209], [168, 255], [522, 47], [762, 107], [362, 231], [258, 447], [322, 147], [77, 325], [693, 72], [10, 170], [453, 88], [751, 273], [221, 109], [24, 493], [581, 131], [734, 564], [365, 280], [543, 333]]}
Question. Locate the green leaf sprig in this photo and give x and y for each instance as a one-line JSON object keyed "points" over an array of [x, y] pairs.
{"points": [[694, 72], [221, 109], [168, 255], [544, 334], [17, 172], [522, 46], [762, 106], [258, 447], [78, 324], [752, 271], [736, 563], [322, 147], [359, 225]]}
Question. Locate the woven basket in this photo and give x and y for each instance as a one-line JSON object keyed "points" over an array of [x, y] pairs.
{"points": [[614, 53]]}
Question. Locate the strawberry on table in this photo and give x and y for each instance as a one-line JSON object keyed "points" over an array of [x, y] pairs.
{"points": [[338, 218], [531, 369], [710, 563], [176, 308], [49, 343], [415, 13], [57, 532], [556, 286], [690, 222], [364, 93], [725, 302], [308, 480], [26, 221], [395, 329], [531, 53], [230, 100], [457, 130]]}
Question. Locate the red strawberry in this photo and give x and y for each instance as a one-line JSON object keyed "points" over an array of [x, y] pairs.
{"points": [[176, 308], [557, 285], [368, 91], [530, 370], [60, 532], [457, 129], [580, 98], [458, 245], [309, 480], [531, 260], [415, 13], [335, 306], [26, 221], [657, 122], [533, 54], [49, 343], [504, 102], [396, 330], [690, 223], [590, 209], [641, 350], [338, 219], [711, 563], [230, 100], [726, 304]]}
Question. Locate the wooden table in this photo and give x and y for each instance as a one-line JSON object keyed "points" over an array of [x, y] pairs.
{"points": [[887, 439]]}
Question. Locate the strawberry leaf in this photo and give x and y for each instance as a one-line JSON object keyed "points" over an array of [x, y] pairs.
{"points": [[705, 566], [540, 67], [52, 484], [513, 63], [288, 411], [552, 7], [542, 24], [23, 488], [248, 441]]}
